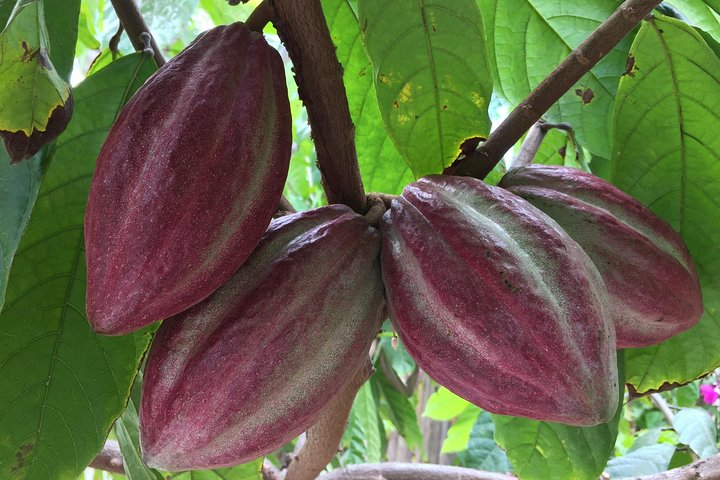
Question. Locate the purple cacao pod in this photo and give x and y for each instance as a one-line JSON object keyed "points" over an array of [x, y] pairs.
{"points": [[187, 180], [497, 303], [652, 282], [252, 366]]}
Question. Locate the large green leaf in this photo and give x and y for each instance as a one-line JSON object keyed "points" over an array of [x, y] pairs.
{"points": [[62, 24], [700, 15], [63, 386], [19, 185], [542, 450], [382, 167], [482, 451], [643, 461], [432, 76], [398, 409], [530, 38], [666, 155], [697, 429]]}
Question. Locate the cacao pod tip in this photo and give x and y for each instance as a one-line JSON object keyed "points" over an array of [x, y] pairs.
{"points": [[243, 372], [647, 269]]}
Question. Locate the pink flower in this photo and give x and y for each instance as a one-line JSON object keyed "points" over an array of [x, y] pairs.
{"points": [[708, 393]]}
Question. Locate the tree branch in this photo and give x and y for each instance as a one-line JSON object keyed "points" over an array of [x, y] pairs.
{"points": [[708, 469], [578, 63], [318, 74], [109, 458], [410, 471], [259, 17], [135, 26]]}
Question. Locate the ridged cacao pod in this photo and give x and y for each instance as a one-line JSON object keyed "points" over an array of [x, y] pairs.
{"points": [[252, 366], [187, 180], [648, 272], [497, 303]]}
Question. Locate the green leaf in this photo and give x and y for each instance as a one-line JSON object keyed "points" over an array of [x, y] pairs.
{"points": [[247, 471], [19, 186], [697, 430], [687, 395], [62, 18], [432, 76], [381, 166], [648, 437], [530, 38], [444, 405], [63, 385], [365, 416], [542, 450], [666, 155], [458, 434], [62, 25], [398, 409], [700, 15], [128, 433], [482, 451], [643, 461], [32, 88]]}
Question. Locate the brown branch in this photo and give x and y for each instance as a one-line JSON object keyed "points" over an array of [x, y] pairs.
{"points": [[135, 26], [708, 469], [481, 162], [318, 74], [259, 17], [533, 141], [410, 471], [323, 438], [109, 458]]}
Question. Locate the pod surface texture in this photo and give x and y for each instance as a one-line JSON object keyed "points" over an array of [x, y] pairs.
{"points": [[497, 303], [187, 180]]}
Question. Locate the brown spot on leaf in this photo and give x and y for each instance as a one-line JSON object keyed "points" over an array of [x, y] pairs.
{"points": [[21, 455], [444, 107], [395, 104], [562, 151], [28, 54], [630, 66], [587, 95]]}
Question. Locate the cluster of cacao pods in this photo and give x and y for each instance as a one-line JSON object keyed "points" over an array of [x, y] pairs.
{"points": [[514, 297]]}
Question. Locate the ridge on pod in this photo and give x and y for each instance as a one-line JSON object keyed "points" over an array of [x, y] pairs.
{"points": [[653, 285], [497, 303], [252, 366], [187, 180]]}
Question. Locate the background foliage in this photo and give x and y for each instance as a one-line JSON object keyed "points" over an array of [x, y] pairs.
{"points": [[420, 79]]}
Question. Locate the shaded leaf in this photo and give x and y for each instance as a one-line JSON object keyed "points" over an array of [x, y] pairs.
{"points": [[398, 409], [542, 450], [482, 451], [643, 461], [697, 430]]}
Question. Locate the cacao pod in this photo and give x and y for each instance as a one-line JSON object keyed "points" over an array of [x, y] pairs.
{"points": [[252, 366], [652, 282], [497, 303], [187, 180]]}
